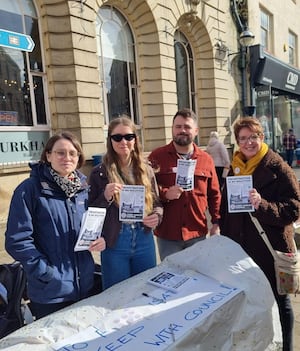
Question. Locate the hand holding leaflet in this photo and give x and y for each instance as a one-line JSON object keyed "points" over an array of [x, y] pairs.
{"points": [[238, 188], [185, 174], [132, 203], [91, 227]]}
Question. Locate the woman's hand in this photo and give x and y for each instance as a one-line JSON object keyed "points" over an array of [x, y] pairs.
{"points": [[98, 245], [254, 198], [111, 189], [151, 221]]}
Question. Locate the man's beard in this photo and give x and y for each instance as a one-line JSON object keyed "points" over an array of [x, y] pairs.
{"points": [[182, 140]]}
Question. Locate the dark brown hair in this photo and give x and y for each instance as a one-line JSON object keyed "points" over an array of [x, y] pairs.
{"points": [[63, 135], [186, 113], [252, 123]]}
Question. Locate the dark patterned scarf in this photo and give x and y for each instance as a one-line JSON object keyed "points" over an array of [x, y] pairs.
{"points": [[69, 185]]}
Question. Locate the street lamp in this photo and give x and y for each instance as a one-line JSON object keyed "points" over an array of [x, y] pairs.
{"points": [[246, 40]]}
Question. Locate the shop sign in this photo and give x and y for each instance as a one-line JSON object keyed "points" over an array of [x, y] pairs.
{"points": [[263, 91], [21, 147], [268, 70]]}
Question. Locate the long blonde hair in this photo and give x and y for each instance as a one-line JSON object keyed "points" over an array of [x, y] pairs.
{"points": [[141, 171]]}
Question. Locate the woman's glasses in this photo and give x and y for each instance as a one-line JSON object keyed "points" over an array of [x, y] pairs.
{"points": [[252, 138], [119, 137], [64, 153]]}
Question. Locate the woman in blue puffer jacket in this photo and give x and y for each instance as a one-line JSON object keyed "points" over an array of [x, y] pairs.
{"points": [[43, 226]]}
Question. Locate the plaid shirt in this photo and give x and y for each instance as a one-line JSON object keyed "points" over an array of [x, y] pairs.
{"points": [[289, 141]]}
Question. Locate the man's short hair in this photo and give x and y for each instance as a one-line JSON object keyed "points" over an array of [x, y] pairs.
{"points": [[186, 113]]}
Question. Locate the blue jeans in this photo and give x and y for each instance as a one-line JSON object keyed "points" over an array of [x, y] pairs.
{"points": [[289, 156], [133, 253]]}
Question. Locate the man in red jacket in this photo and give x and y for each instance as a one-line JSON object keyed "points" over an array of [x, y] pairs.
{"points": [[184, 221]]}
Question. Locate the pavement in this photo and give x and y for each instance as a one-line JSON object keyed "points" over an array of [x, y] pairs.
{"points": [[5, 258]]}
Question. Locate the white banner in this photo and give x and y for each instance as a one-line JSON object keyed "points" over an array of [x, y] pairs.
{"points": [[154, 321]]}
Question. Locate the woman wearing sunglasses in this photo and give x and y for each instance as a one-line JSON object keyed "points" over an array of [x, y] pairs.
{"points": [[276, 200], [130, 245]]}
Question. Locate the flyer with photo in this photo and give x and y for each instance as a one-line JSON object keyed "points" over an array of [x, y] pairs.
{"points": [[169, 281], [132, 203], [185, 173], [91, 227], [238, 188]]}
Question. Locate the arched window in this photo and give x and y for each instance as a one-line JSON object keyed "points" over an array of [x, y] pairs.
{"points": [[22, 101], [185, 80], [117, 64]]}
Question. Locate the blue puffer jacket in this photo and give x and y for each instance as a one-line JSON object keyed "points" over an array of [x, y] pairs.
{"points": [[42, 228]]}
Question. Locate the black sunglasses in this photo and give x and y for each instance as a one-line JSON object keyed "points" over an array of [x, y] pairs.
{"points": [[119, 137]]}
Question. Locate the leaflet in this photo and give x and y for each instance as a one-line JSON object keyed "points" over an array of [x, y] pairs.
{"points": [[238, 188], [185, 173], [132, 203], [170, 281], [91, 227]]}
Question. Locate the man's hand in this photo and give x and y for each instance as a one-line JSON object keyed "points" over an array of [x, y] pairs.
{"points": [[174, 192], [215, 229]]}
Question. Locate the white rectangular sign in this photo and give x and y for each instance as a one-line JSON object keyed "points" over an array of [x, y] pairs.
{"points": [[155, 320]]}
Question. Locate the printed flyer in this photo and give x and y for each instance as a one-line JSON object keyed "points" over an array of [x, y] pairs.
{"points": [[91, 227], [132, 203], [185, 174], [238, 188]]}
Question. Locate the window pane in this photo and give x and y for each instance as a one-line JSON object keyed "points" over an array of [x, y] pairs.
{"points": [[134, 103], [22, 101], [14, 88], [292, 48], [39, 100], [185, 80], [116, 87], [28, 8], [35, 57], [264, 20], [264, 38], [292, 40], [11, 21], [181, 76], [10, 6], [117, 62]]}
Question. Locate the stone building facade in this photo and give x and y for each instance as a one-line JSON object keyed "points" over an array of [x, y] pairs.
{"points": [[178, 54]]}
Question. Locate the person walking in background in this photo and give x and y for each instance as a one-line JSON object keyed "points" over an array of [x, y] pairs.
{"points": [[43, 225], [290, 144], [184, 221], [219, 154], [130, 245], [276, 199]]}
